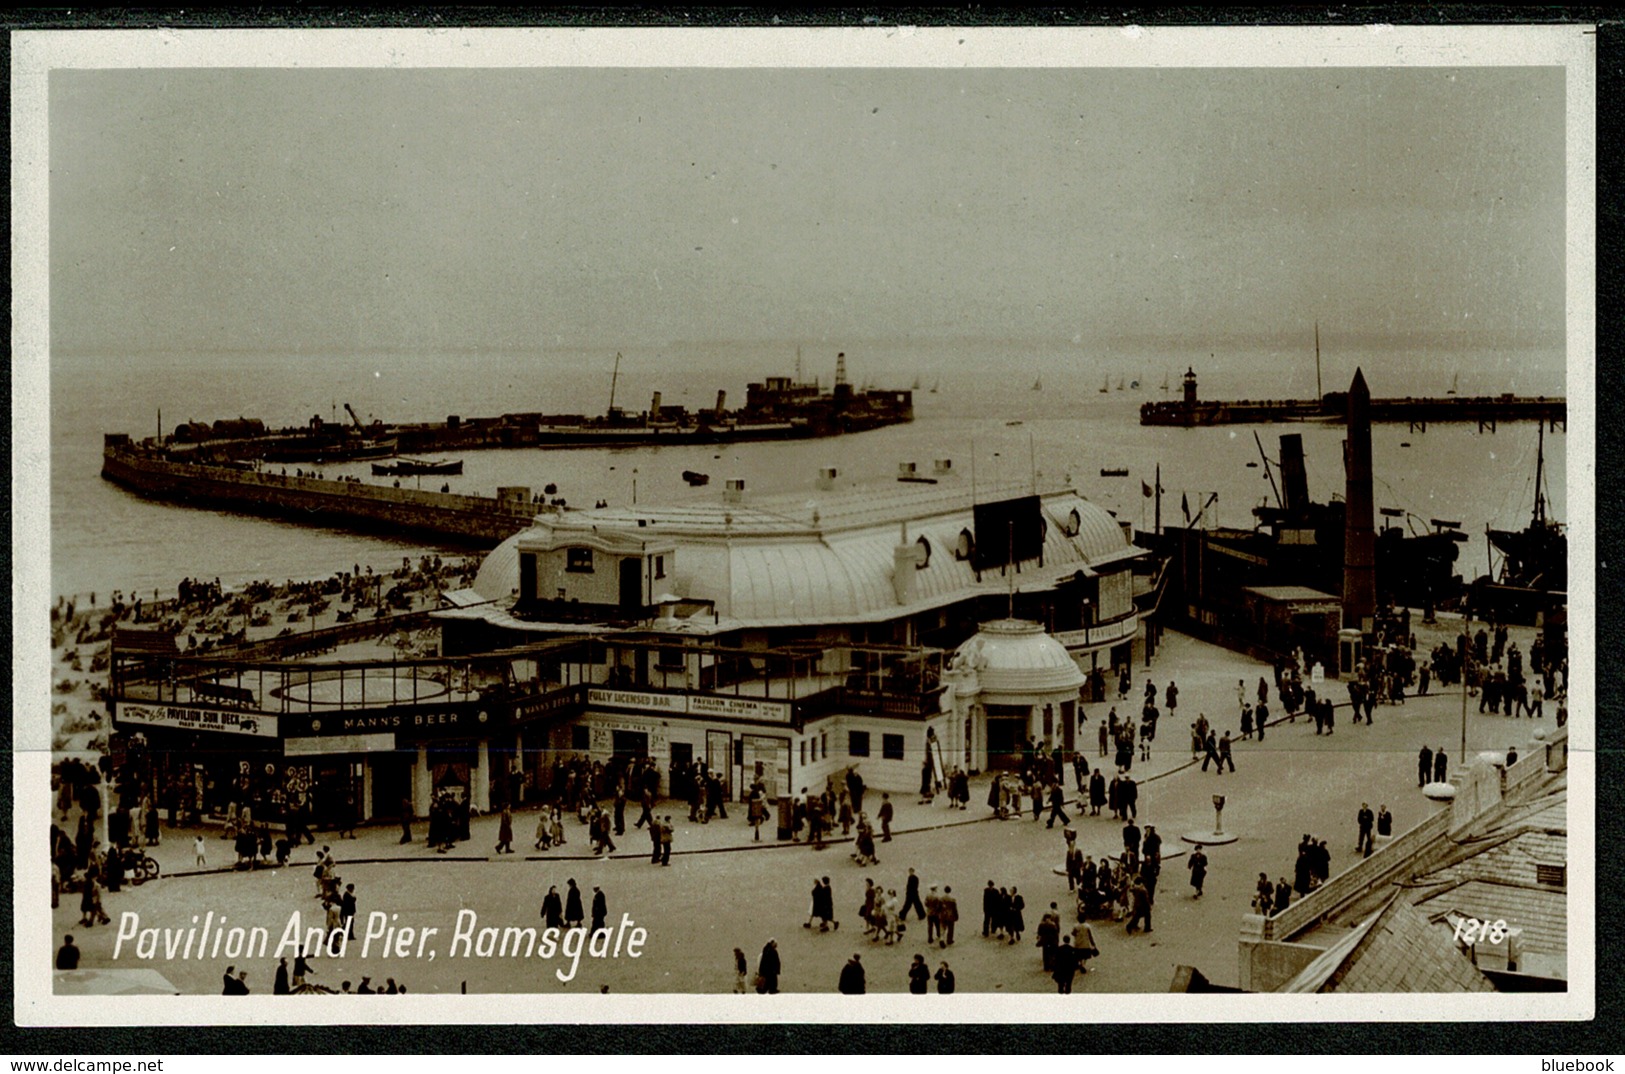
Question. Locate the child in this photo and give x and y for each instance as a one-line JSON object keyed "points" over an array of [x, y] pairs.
{"points": [[197, 850]]}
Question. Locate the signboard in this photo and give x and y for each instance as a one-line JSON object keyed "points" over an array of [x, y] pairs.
{"points": [[730, 708], [320, 744], [221, 721], [547, 704], [420, 722], [739, 708], [637, 699]]}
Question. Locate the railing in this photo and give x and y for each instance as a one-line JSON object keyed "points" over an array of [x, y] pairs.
{"points": [[1360, 878], [1104, 634], [1355, 881]]}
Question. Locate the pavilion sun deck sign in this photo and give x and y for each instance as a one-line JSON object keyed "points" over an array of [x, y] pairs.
{"points": [[221, 721]]}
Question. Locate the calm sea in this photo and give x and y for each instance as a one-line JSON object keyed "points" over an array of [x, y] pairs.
{"points": [[1012, 410]]}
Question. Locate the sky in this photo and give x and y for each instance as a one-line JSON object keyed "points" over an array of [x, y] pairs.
{"points": [[441, 211]]}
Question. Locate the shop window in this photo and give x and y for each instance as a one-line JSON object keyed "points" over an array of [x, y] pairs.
{"points": [[578, 560], [857, 743], [891, 747], [581, 738]]}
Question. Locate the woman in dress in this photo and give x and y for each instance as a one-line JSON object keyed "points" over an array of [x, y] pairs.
{"points": [[1018, 924]]}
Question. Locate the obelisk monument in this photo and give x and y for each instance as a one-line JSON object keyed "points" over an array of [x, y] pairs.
{"points": [[1359, 537]]}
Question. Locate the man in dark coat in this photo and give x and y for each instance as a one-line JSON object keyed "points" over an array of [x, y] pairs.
{"points": [[1097, 793], [347, 910], [552, 909], [1441, 766], [573, 914], [1129, 797], [405, 810], [990, 909], [648, 801], [853, 979], [1283, 895], [1065, 965], [654, 839], [279, 987], [67, 956], [1131, 837], [600, 909], [1424, 766], [1139, 905], [1151, 845], [1197, 864], [1365, 841], [919, 976], [911, 898], [854, 787], [769, 968], [885, 817], [1057, 800]]}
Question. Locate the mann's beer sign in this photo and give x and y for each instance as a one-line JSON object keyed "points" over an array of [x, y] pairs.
{"points": [[220, 721]]}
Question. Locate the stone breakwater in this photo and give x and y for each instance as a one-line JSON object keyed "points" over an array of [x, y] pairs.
{"points": [[477, 521]]}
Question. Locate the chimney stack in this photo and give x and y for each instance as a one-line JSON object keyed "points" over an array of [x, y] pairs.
{"points": [[826, 478], [905, 471], [654, 406], [943, 467], [722, 402], [734, 490]]}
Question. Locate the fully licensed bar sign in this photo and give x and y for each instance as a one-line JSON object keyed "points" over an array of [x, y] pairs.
{"points": [[186, 719], [733, 708]]}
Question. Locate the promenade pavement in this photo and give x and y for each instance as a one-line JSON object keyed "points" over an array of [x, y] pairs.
{"points": [[710, 900]]}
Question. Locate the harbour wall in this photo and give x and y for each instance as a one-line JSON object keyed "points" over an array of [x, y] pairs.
{"points": [[1484, 410], [476, 521]]}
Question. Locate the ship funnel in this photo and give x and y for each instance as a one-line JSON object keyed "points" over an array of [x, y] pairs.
{"points": [[826, 478], [905, 471], [734, 490], [654, 406], [1294, 478], [722, 401], [943, 467]]}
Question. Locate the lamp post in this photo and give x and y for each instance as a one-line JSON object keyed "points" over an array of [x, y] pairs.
{"points": [[1466, 662]]}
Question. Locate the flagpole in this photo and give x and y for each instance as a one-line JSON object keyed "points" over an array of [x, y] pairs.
{"points": [[1159, 499]]}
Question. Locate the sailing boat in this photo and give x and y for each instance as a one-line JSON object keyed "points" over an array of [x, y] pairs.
{"points": [[1119, 383], [1106, 385], [1537, 556], [916, 383], [1455, 381], [1038, 385], [936, 385], [1165, 382]]}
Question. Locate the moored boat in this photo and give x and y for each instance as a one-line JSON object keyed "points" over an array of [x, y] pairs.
{"points": [[417, 467]]}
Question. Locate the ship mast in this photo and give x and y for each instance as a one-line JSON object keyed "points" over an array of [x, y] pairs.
{"points": [[1540, 479], [613, 377], [1319, 394]]}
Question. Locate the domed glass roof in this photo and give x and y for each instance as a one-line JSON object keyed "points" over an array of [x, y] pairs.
{"points": [[1017, 656]]}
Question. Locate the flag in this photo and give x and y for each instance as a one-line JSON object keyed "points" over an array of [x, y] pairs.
{"points": [[1185, 506], [1145, 490]]}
